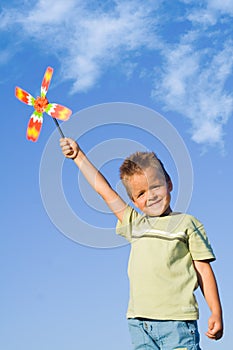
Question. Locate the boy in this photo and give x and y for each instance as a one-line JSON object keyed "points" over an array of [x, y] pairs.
{"points": [[170, 255]]}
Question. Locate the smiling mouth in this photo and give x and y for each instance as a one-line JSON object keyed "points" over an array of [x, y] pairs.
{"points": [[153, 203]]}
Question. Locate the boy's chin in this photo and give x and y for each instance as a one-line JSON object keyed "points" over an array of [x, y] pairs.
{"points": [[157, 213]]}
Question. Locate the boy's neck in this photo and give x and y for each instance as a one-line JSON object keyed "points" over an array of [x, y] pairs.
{"points": [[167, 212]]}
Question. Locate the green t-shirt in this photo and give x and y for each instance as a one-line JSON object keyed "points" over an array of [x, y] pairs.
{"points": [[161, 272]]}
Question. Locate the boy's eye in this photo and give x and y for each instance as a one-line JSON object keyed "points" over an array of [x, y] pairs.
{"points": [[157, 186], [141, 194]]}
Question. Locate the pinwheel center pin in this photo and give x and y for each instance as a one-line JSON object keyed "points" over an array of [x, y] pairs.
{"points": [[40, 104]]}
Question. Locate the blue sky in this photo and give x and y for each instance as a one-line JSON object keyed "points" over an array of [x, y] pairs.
{"points": [[124, 68]]}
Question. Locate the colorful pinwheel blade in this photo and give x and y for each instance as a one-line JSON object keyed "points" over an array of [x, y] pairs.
{"points": [[57, 111], [34, 126], [46, 81], [24, 96]]}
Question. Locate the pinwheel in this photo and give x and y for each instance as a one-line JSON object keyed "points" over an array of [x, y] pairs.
{"points": [[41, 105]]}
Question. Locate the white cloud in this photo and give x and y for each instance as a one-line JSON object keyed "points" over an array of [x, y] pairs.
{"points": [[194, 86], [87, 41], [210, 12], [106, 41], [89, 38], [224, 7], [203, 17], [50, 12]]}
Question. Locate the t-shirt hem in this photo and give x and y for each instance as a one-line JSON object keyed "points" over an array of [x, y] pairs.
{"points": [[209, 258], [186, 317]]}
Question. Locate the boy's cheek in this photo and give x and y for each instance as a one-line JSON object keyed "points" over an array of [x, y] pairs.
{"points": [[139, 204]]}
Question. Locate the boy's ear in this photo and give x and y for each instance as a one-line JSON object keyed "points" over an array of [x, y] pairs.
{"points": [[170, 185]]}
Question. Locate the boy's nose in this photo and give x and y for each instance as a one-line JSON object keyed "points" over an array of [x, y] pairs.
{"points": [[151, 195]]}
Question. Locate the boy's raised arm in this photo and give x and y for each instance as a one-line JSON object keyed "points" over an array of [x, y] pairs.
{"points": [[72, 150]]}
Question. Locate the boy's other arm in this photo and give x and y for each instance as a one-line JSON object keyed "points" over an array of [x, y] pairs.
{"points": [[72, 150], [209, 289]]}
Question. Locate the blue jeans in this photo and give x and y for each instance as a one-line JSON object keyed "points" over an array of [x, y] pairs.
{"points": [[163, 335]]}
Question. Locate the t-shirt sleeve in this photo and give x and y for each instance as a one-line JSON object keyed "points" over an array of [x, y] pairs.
{"points": [[124, 228], [199, 245]]}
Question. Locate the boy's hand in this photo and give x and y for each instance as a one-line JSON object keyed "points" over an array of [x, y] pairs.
{"points": [[215, 330], [69, 148]]}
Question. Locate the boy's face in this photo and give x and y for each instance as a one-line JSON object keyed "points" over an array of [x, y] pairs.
{"points": [[150, 192]]}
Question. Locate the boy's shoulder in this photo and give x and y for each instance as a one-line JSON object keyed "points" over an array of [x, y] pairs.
{"points": [[186, 219], [132, 213], [177, 219], [136, 224]]}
